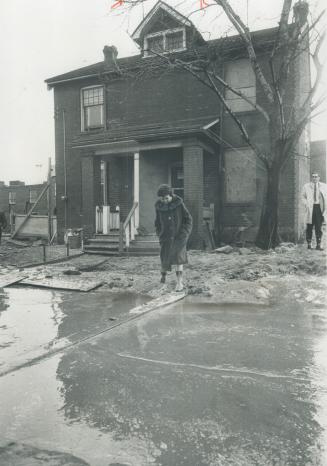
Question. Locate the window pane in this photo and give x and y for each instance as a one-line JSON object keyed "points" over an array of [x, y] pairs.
{"points": [[93, 96], [240, 75], [155, 44], [33, 197], [93, 116], [237, 104], [174, 41]]}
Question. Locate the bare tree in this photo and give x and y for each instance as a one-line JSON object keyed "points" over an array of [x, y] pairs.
{"points": [[284, 118]]}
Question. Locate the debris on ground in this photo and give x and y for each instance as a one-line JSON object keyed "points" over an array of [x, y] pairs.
{"points": [[224, 250], [62, 283], [11, 278]]}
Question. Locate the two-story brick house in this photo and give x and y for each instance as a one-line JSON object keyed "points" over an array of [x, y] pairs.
{"points": [[124, 126]]}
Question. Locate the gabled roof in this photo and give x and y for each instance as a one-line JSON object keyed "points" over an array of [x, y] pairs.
{"points": [[262, 38], [151, 17]]}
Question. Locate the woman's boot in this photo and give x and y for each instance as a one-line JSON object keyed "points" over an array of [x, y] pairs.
{"points": [[163, 277]]}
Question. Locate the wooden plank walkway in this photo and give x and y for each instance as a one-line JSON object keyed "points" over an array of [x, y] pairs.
{"points": [[11, 278], [71, 283]]}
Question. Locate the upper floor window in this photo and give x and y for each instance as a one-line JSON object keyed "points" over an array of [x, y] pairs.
{"points": [[240, 76], [172, 40], [92, 108], [12, 197], [33, 196]]}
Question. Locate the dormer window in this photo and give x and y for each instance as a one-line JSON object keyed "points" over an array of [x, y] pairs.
{"points": [[171, 40]]}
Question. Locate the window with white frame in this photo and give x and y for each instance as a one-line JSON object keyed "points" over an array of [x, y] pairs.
{"points": [[92, 101], [12, 197], [240, 76], [240, 176], [172, 40], [33, 196]]}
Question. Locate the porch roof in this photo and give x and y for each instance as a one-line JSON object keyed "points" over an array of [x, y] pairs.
{"points": [[127, 136]]}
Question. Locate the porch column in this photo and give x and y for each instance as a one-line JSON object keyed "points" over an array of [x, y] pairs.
{"points": [[137, 187], [91, 191], [193, 190]]}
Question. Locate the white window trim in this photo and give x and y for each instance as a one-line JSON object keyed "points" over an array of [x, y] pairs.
{"points": [[35, 197], [83, 129], [164, 34], [12, 197]]}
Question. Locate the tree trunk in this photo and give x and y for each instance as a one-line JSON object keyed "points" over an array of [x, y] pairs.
{"points": [[267, 236]]}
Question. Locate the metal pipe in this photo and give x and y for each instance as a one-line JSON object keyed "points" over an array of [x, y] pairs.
{"points": [[65, 167]]}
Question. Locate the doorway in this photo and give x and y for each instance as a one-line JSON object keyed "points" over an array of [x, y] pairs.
{"points": [[177, 179]]}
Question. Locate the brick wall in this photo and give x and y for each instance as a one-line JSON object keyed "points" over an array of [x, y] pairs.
{"points": [[193, 191], [318, 159]]}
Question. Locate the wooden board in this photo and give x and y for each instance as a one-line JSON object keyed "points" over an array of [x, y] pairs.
{"points": [[64, 283], [165, 300], [11, 278]]}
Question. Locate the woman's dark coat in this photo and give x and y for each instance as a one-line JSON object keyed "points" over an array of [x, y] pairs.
{"points": [[173, 226]]}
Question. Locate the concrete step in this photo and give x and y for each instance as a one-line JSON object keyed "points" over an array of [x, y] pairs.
{"points": [[154, 251], [113, 239], [102, 247], [145, 244], [112, 234], [147, 237], [117, 253]]}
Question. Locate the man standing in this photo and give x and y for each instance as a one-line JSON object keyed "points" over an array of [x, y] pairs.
{"points": [[314, 196], [173, 225], [3, 223]]}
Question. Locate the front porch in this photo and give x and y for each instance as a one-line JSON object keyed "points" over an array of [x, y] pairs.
{"points": [[119, 177]]}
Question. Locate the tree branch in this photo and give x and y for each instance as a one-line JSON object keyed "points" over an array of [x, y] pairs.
{"points": [[319, 69], [240, 125], [244, 32]]}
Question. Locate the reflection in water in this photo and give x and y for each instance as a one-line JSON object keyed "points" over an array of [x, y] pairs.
{"points": [[29, 326], [263, 411]]}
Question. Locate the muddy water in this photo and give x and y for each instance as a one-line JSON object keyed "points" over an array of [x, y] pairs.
{"points": [[192, 384], [36, 322]]}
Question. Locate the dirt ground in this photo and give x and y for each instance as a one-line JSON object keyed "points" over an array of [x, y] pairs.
{"points": [[241, 275]]}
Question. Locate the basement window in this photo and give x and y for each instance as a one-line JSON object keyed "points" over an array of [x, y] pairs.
{"points": [[92, 103], [172, 40]]}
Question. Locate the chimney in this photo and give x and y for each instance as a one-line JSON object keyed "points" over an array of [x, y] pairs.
{"points": [[110, 53], [301, 11]]}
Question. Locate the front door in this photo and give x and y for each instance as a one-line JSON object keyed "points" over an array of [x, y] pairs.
{"points": [[177, 179]]}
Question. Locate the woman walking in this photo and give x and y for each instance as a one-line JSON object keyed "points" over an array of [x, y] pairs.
{"points": [[173, 226]]}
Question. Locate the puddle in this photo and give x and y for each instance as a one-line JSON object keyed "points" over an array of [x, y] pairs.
{"points": [[34, 322], [187, 385]]}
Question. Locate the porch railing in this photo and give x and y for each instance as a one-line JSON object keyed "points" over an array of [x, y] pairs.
{"points": [[128, 229], [106, 219]]}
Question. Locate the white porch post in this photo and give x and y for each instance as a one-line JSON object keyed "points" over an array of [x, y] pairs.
{"points": [[137, 187]]}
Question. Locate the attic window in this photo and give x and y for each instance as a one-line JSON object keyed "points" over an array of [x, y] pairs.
{"points": [[172, 40]]}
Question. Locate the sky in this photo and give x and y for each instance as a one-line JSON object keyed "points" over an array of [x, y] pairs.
{"points": [[43, 38]]}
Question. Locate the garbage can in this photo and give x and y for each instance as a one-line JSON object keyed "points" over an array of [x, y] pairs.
{"points": [[74, 238], [74, 241]]}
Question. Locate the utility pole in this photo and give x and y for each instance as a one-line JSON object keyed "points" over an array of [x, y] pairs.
{"points": [[49, 202]]}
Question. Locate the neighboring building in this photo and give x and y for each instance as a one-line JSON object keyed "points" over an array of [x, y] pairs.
{"points": [[318, 158], [18, 198], [124, 126]]}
